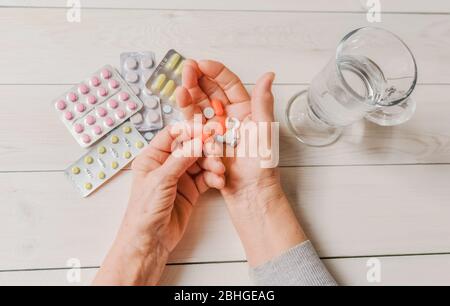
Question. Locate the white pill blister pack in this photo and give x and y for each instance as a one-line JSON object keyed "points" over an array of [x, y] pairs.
{"points": [[106, 158], [163, 83], [97, 105], [136, 69]]}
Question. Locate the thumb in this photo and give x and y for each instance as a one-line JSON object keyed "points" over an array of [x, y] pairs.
{"points": [[182, 158], [262, 99]]}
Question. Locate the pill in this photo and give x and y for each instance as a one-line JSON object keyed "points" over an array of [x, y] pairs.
{"points": [[158, 82], [80, 107], [71, 96], [101, 150], [61, 105], [135, 89], [113, 84], [68, 115], [76, 170], [167, 109], [168, 89], [127, 154], [91, 99], [114, 139], [90, 120], [131, 64], [95, 81], [88, 160], [219, 138], [173, 97], [97, 130], [137, 118], [149, 136], [127, 129], [131, 105], [78, 128], [232, 123], [109, 121], [218, 107], [147, 63], [139, 144], [102, 112], [101, 175], [131, 77], [221, 120], [114, 165], [152, 117], [120, 114], [179, 69], [151, 102], [173, 61], [83, 89], [124, 96], [106, 74], [102, 92], [113, 104], [209, 112], [88, 186], [86, 138]]}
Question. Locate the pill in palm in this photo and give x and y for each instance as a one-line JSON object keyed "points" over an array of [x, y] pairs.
{"points": [[208, 112]]}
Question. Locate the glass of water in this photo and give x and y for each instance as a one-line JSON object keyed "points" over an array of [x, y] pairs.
{"points": [[371, 76]]}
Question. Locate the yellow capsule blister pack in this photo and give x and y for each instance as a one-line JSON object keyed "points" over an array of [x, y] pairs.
{"points": [[163, 83], [106, 158]]}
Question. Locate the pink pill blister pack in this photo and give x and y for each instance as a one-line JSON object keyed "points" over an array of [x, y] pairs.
{"points": [[106, 158], [97, 105], [136, 69], [163, 83]]}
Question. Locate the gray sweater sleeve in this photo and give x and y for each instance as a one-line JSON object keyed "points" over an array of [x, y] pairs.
{"points": [[299, 266]]}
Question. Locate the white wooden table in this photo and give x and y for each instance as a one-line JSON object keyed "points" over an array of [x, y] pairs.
{"points": [[378, 192]]}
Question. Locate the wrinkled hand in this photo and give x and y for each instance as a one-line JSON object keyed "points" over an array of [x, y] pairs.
{"points": [[208, 80], [166, 186]]}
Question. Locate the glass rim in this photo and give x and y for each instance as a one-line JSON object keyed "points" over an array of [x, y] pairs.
{"points": [[341, 76]]}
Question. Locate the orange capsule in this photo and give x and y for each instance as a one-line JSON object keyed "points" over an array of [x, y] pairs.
{"points": [[221, 120], [205, 136], [218, 107]]}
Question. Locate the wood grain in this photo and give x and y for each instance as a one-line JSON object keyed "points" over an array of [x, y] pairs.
{"points": [[249, 5], [395, 271], [46, 49], [347, 211], [38, 141]]}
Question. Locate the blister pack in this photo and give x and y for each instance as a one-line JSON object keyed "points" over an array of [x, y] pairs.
{"points": [[97, 105], [136, 69], [106, 158], [163, 82]]}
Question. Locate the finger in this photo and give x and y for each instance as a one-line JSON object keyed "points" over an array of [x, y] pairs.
{"points": [[213, 149], [190, 79], [262, 99], [161, 146], [206, 180], [185, 103], [177, 164], [227, 80], [194, 169], [213, 90], [212, 164]]}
